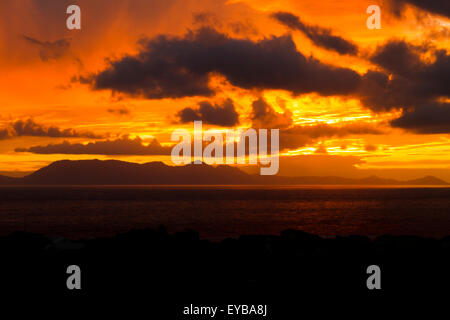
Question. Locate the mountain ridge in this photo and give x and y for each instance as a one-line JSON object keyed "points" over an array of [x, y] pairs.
{"points": [[116, 172]]}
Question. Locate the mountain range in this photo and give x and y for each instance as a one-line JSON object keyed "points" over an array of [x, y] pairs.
{"points": [[114, 172]]}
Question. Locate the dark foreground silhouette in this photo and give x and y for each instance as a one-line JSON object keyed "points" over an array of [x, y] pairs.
{"points": [[160, 273]]}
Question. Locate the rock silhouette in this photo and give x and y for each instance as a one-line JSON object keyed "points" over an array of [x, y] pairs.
{"points": [[169, 270]]}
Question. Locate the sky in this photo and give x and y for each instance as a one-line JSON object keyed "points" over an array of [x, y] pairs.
{"points": [[348, 100]]}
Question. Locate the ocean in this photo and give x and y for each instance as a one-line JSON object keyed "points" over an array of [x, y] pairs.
{"points": [[218, 212]]}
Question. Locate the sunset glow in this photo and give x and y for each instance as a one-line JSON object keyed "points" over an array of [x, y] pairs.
{"points": [[51, 91]]}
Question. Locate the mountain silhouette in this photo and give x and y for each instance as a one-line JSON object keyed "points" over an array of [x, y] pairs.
{"points": [[114, 172], [428, 180], [8, 180]]}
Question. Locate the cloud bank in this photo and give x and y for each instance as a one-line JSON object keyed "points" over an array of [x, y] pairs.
{"points": [[218, 114], [121, 146], [176, 67], [30, 128]]}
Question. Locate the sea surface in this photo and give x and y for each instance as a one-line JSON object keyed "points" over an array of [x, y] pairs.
{"points": [[217, 212]]}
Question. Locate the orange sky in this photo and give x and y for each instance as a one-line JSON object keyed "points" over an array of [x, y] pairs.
{"points": [[37, 81]]}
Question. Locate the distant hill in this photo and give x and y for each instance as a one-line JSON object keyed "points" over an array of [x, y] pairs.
{"points": [[428, 180], [8, 180], [114, 172]]}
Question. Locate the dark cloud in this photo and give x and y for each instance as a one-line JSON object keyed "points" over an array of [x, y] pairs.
{"points": [[441, 7], [264, 116], [50, 50], [121, 111], [426, 119], [219, 114], [321, 37], [33, 129], [406, 80], [398, 56], [381, 93], [400, 83], [6, 133], [174, 67], [411, 83], [121, 146]]}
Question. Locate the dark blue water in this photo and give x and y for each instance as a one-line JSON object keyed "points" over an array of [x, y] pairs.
{"points": [[219, 212]]}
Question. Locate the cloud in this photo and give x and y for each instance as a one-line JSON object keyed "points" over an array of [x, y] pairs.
{"points": [[426, 119], [438, 32], [264, 116], [321, 149], [224, 114], [326, 130], [406, 80], [50, 50], [440, 7], [370, 147], [205, 18], [121, 146], [116, 22], [33, 129], [175, 67], [120, 111], [295, 136], [398, 56], [243, 28], [6, 133], [409, 82], [380, 93], [321, 37], [301, 135]]}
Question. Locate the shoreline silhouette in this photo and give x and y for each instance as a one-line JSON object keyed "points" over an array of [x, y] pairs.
{"points": [[172, 270]]}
